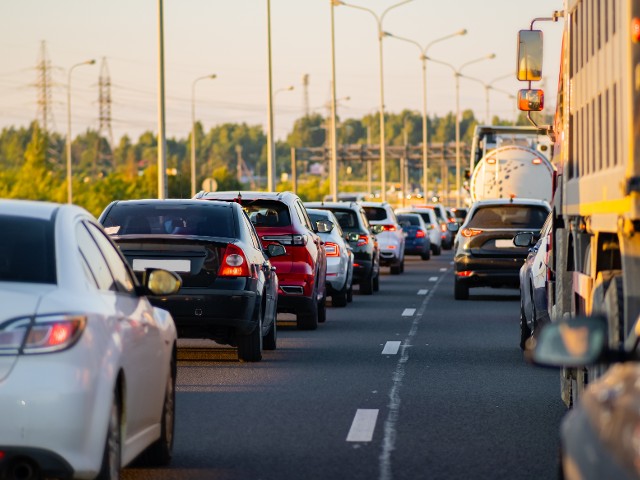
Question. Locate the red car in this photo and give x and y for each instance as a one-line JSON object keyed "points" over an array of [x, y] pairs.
{"points": [[280, 217]]}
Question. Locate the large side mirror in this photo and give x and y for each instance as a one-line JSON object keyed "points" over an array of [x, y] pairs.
{"points": [[523, 239], [324, 226], [376, 229], [530, 55], [530, 100], [576, 342], [161, 282], [453, 227], [275, 250]]}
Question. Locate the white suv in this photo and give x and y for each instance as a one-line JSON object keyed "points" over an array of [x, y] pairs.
{"points": [[430, 218], [391, 237]]}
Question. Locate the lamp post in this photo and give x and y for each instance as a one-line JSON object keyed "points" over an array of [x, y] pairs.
{"points": [[69, 176], [275, 94], [162, 136], [193, 131], [379, 18], [423, 59], [271, 166], [457, 74]]}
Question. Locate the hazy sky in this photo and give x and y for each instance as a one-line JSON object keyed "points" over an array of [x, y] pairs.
{"points": [[229, 38]]}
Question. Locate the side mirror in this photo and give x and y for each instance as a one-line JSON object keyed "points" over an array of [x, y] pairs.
{"points": [[376, 229], [161, 282], [530, 55], [275, 250], [324, 226], [576, 342], [523, 239], [530, 100], [453, 227]]}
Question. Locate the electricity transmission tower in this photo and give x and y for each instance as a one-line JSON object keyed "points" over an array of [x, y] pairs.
{"points": [[104, 101], [43, 85], [305, 93]]}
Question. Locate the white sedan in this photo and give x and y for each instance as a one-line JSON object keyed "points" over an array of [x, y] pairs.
{"points": [[87, 365]]}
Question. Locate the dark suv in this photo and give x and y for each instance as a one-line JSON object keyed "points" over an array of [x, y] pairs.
{"points": [[280, 217], [366, 254]]}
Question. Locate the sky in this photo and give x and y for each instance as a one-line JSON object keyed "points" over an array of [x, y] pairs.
{"points": [[228, 38]]}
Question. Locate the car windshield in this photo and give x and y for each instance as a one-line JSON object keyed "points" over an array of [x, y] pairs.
{"points": [[375, 213], [408, 220], [173, 219], [27, 250], [509, 216]]}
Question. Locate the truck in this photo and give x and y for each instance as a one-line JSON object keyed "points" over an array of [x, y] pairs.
{"points": [[510, 161], [594, 251]]}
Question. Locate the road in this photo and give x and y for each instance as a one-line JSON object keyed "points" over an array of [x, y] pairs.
{"points": [[404, 384]]}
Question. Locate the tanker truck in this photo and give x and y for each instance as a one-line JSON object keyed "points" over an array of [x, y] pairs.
{"points": [[510, 162]]}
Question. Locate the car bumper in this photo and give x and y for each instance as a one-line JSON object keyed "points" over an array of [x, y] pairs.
{"points": [[495, 272]]}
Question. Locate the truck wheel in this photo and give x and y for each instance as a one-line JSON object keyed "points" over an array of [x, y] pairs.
{"points": [[460, 291], [614, 308]]}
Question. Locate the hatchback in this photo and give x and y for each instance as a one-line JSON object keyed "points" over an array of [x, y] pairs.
{"points": [[431, 221], [280, 218], [485, 254], [391, 237], [87, 364], [229, 290], [417, 240]]}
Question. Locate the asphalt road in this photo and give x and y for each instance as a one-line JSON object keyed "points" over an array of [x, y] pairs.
{"points": [[405, 384]]}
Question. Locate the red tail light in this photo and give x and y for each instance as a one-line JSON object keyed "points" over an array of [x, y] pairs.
{"points": [[332, 249], [389, 228], [362, 241], [234, 263], [464, 273], [470, 232], [420, 234], [443, 227]]}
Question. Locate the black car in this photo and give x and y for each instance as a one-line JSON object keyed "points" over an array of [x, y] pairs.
{"points": [[485, 254], [229, 288], [366, 254]]}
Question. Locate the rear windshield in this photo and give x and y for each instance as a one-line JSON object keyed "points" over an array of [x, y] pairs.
{"points": [[267, 213], [509, 216], [161, 219], [408, 220], [375, 213], [27, 250], [347, 219]]}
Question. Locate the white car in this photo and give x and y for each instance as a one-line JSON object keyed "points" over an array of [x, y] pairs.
{"points": [[87, 365], [339, 258], [433, 225], [391, 237]]}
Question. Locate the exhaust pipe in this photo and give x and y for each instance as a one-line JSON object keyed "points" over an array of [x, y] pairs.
{"points": [[23, 469]]}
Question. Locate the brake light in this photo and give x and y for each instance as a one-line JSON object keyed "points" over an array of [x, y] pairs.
{"points": [[389, 228], [332, 249], [44, 334], [420, 234], [234, 263], [470, 232], [536, 161], [362, 241], [464, 273], [443, 227]]}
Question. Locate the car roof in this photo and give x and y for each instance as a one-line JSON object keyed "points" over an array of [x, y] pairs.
{"points": [[172, 201], [244, 194], [511, 201], [345, 205], [35, 209]]}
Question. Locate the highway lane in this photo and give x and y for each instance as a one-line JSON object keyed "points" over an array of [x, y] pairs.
{"points": [[404, 384]]}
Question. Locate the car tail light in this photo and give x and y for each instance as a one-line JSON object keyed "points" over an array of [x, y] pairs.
{"points": [[470, 232], [420, 234], [443, 227], [286, 239], [536, 161], [332, 249], [234, 263], [42, 334], [362, 241], [464, 273], [389, 228]]}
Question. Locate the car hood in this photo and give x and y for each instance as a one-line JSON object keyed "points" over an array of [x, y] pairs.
{"points": [[19, 300]]}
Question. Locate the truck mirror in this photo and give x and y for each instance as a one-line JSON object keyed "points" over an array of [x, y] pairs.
{"points": [[530, 55], [530, 100]]}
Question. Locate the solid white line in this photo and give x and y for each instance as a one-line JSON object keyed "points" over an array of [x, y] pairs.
{"points": [[364, 422], [391, 347], [424, 291], [443, 269], [408, 312], [433, 279]]}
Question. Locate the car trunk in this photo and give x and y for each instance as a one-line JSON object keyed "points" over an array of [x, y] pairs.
{"points": [[268, 235], [497, 243]]}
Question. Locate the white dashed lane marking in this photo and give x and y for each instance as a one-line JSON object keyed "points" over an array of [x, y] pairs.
{"points": [[391, 347], [443, 269], [433, 279], [408, 312], [424, 291], [363, 425]]}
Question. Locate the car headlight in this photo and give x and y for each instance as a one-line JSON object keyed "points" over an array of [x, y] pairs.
{"points": [[40, 334]]}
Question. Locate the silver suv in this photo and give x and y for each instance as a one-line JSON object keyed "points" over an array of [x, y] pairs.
{"points": [[391, 236]]}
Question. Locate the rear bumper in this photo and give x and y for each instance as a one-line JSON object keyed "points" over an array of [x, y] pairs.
{"points": [[295, 304], [494, 272]]}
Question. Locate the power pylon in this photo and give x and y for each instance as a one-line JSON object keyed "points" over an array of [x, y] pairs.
{"points": [[104, 101], [43, 85], [305, 93]]}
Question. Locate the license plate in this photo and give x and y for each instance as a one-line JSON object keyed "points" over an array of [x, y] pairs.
{"points": [[504, 243], [140, 264]]}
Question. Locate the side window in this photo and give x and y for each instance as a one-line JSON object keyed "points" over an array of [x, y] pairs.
{"points": [[304, 218], [252, 232], [124, 280], [94, 259], [365, 221]]}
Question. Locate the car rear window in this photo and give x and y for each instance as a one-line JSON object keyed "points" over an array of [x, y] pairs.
{"points": [[267, 213], [347, 219], [509, 216], [174, 219], [27, 250], [375, 213], [409, 219]]}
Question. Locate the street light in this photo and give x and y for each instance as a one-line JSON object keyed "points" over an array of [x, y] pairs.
{"points": [[383, 156], [193, 131], [69, 182], [423, 59], [275, 94], [271, 166], [489, 86], [457, 74]]}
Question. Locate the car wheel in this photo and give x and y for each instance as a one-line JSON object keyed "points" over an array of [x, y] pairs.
{"points": [[525, 332], [376, 283], [322, 309], [250, 346], [396, 269], [111, 459], [160, 453], [366, 285], [270, 340], [426, 255], [460, 291], [309, 319], [339, 299], [437, 250], [350, 293]]}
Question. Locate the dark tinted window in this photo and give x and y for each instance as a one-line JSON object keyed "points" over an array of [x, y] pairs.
{"points": [[375, 213], [410, 219], [27, 250], [117, 265], [140, 219], [509, 216], [347, 219], [267, 213]]}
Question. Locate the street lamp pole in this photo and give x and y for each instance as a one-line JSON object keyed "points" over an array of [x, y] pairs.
{"points": [[423, 59], [333, 187], [275, 94], [162, 142], [69, 176], [271, 166], [457, 74], [383, 156], [193, 131]]}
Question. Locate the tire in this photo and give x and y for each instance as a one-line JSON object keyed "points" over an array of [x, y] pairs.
{"points": [[250, 346], [159, 454], [350, 293], [525, 332], [376, 283], [308, 320], [270, 340], [426, 255], [460, 291], [402, 266], [322, 309], [339, 299], [396, 269], [112, 457], [366, 285], [614, 308], [437, 250]]}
